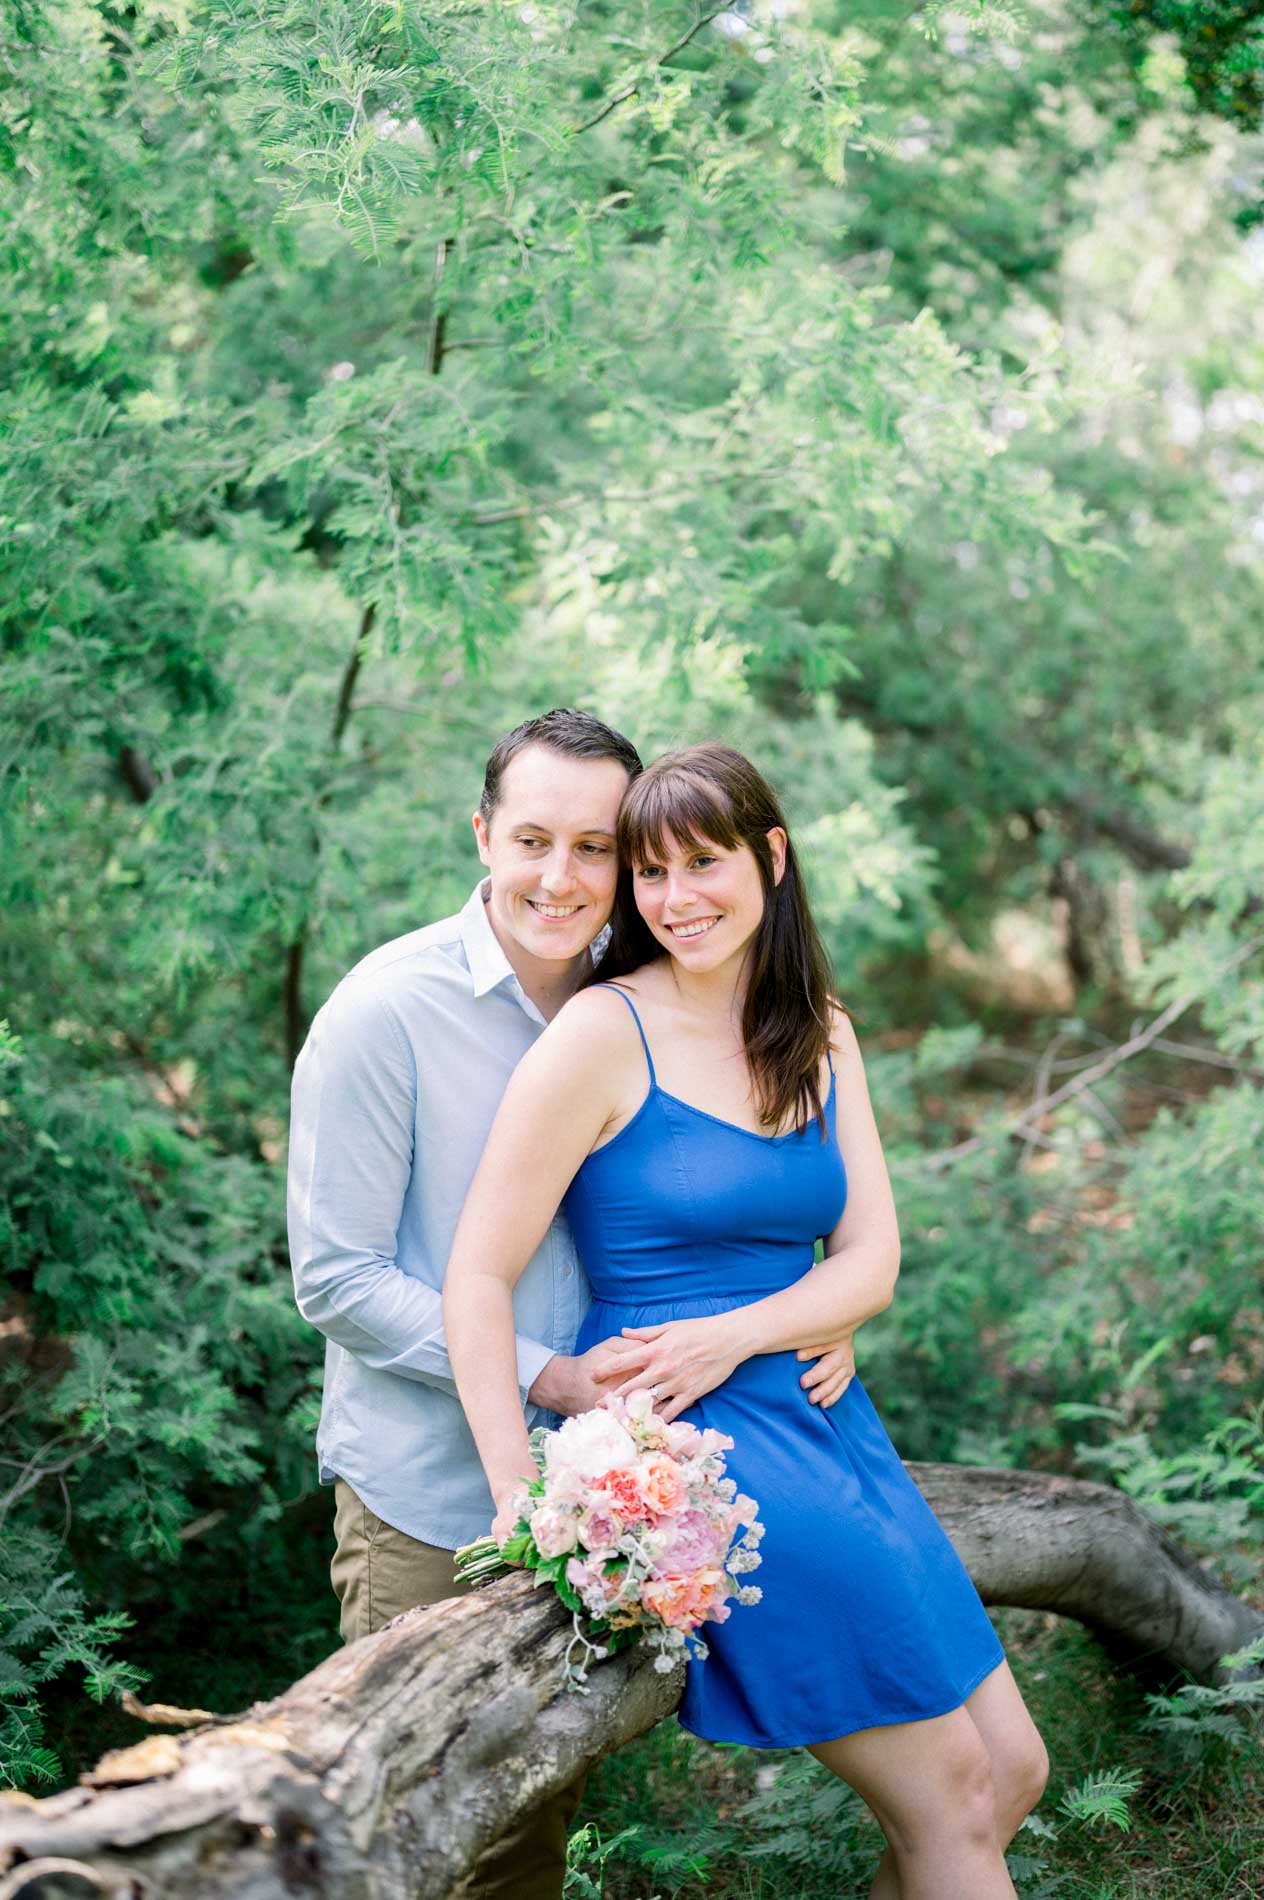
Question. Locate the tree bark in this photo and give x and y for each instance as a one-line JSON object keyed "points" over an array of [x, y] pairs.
{"points": [[383, 1773], [297, 1021], [1036, 1542]]}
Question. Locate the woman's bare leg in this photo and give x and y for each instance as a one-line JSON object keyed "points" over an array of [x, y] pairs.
{"points": [[1020, 1766], [886, 1882], [930, 1786], [1020, 1763]]}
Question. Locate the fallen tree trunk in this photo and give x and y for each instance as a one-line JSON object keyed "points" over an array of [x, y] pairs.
{"points": [[1035, 1542], [383, 1773]]}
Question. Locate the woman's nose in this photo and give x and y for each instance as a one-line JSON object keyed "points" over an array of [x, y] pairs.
{"points": [[677, 895]]}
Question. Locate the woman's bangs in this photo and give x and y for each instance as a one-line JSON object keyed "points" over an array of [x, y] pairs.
{"points": [[677, 805]]}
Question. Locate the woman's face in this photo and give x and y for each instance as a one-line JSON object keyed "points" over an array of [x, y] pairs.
{"points": [[702, 902]]}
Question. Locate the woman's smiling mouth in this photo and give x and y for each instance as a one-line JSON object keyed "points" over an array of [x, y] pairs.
{"points": [[696, 927]]}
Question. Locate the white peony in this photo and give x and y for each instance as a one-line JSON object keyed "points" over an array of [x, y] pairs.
{"points": [[591, 1445]]}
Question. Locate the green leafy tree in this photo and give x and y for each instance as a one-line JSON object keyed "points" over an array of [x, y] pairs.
{"points": [[875, 389]]}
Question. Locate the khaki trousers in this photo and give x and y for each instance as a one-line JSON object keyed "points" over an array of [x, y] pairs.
{"points": [[379, 1572]]}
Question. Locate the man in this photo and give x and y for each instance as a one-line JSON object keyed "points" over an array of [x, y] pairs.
{"points": [[394, 1093]]}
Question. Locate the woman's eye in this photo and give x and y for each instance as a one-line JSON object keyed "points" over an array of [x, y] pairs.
{"points": [[701, 862], [648, 870]]}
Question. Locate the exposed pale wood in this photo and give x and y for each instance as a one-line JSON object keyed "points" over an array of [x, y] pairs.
{"points": [[383, 1773], [1038, 1542]]}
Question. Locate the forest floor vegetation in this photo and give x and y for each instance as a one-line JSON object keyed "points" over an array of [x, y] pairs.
{"points": [[673, 1818]]}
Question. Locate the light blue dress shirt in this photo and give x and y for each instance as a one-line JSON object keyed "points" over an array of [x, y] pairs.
{"points": [[394, 1094]]}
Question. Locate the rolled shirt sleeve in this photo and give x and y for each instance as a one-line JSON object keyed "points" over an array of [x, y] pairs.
{"points": [[352, 1131]]}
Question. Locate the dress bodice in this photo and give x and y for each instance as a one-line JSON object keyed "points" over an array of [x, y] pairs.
{"points": [[683, 1208]]}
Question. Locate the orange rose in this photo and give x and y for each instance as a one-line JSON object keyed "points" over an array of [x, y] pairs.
{"points": [[669, 1598], [662, 1486]]}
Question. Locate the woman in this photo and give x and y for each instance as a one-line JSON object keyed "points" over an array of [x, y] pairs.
{"points": [[702, 1110]]}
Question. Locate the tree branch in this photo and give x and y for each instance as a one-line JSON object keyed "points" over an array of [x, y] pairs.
{"points": [[296, 1020], [438, 315], [1029, 1118], [630, 92], [138, 774]]}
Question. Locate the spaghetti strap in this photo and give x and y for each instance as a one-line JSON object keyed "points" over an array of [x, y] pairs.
{"points": [[639, 1024]]}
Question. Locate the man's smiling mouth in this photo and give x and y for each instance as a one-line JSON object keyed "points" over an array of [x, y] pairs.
{"points": [[553, 910]]}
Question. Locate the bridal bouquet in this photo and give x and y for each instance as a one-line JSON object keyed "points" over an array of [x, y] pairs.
{"points": [[635, 1525]]}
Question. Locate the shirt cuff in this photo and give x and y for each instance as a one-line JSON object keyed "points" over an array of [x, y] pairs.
{"points": [[532, 1359]]}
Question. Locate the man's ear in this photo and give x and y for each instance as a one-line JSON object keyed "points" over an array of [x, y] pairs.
{"points": [[777, 846], [481, 837]]}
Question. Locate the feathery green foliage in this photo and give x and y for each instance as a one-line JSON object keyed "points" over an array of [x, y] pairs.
{"points": [[875, 389]]}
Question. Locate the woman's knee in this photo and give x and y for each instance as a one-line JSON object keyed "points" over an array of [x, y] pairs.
{"points": [[971, 1793], [1020, 1782], [957, 1801]]}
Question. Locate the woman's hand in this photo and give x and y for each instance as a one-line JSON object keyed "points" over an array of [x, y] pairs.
{"points": [[687, 1357], [508, 1512], [833, 1372]]}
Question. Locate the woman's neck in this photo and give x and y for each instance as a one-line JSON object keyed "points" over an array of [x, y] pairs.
{"points": [[719, 993]]}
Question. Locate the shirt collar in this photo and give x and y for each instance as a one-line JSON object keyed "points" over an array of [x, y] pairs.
{"points": [[488, 964]]}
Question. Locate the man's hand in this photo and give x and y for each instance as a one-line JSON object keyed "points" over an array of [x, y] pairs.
{"points": [[574, 1385], [833, 1372]]}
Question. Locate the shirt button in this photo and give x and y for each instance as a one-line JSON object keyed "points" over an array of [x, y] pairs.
{"points": [[568, 1270]]}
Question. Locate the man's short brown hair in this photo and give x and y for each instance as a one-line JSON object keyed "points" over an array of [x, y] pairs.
{"points": [[577, 735]]}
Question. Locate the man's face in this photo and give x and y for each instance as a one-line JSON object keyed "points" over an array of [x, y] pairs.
{"points": [[550, 851]]}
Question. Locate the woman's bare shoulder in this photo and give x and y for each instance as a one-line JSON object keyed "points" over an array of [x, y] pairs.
{"points": [[596, 1019], [842, 1034], [585, 1057]]}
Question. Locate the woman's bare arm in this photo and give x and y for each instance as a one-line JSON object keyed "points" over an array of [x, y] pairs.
{"points": [[561, 1097]]}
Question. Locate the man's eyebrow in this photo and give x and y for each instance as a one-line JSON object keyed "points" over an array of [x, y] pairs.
{"points": [[594, 831]]}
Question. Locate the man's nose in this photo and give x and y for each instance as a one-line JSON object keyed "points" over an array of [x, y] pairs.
{"points": [[559, 873]]}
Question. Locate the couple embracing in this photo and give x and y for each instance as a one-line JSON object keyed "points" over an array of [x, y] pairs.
{"points": [[584, 1137]]}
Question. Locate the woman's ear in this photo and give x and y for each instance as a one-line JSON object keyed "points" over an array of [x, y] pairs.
{"points": [[777, 847]]}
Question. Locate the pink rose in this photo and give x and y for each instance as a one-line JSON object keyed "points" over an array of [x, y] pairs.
{"points": [[554, 1531], [598, 1528], [683, 1439], [583, 1573], [710, 1587], [622, 1492]]}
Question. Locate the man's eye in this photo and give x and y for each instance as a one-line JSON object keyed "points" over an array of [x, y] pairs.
{"points": [[596, 850], [530, 841]]}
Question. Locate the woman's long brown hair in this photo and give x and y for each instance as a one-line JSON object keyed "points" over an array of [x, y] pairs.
{"points": [[710, 794]]}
